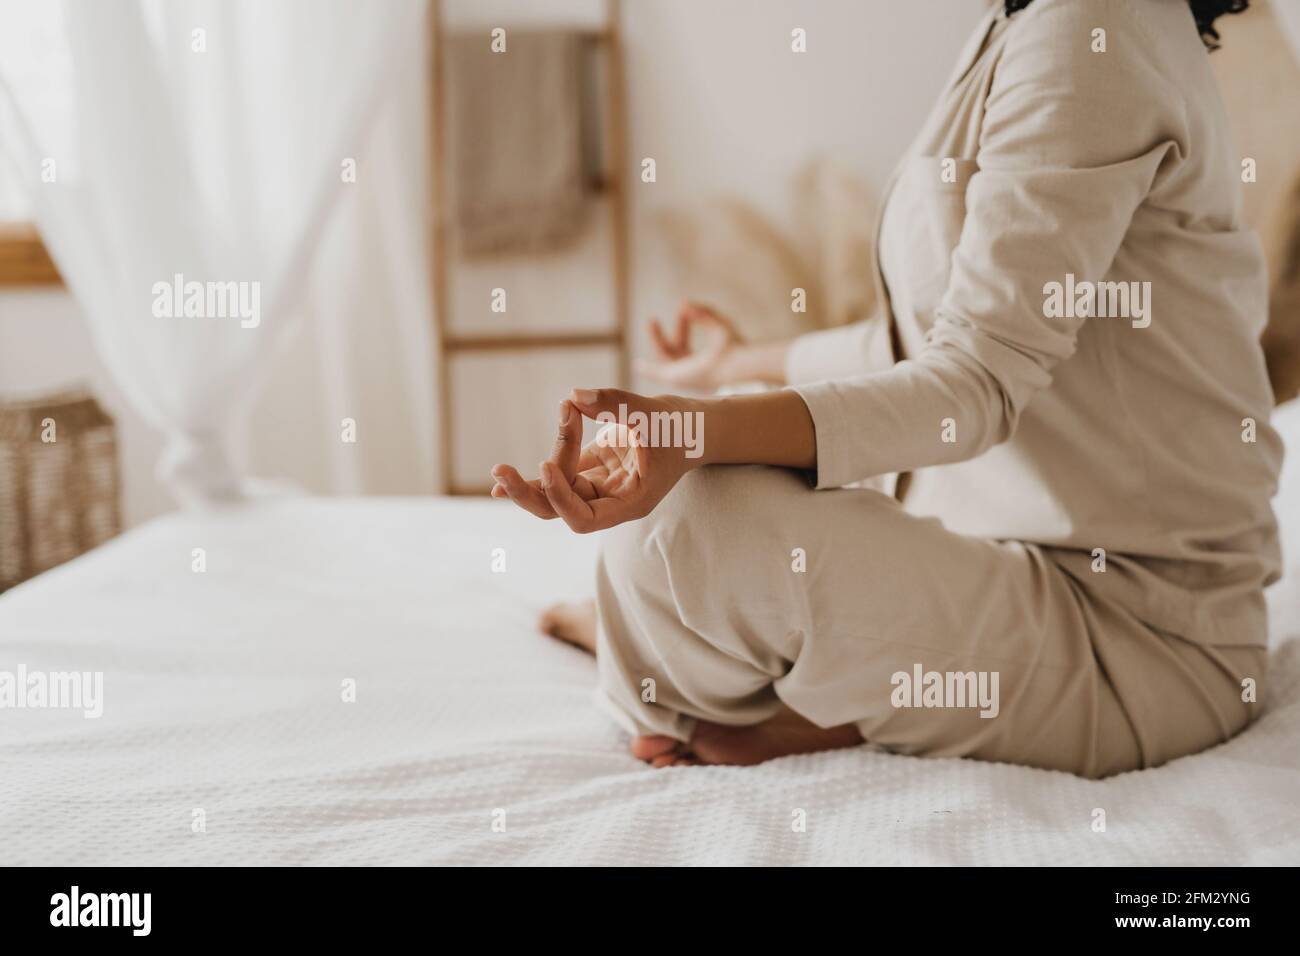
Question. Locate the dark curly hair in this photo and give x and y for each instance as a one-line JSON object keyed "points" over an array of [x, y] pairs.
{"points": [[1205, 13]]}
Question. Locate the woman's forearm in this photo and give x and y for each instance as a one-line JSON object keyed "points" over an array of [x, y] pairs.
{"points": [[772, 428]]}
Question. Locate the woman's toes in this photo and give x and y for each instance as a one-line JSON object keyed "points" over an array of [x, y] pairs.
{"points": [[650, 746]]}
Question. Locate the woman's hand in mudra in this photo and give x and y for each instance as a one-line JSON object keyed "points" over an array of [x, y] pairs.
{"points": [[705, 366], [619, 476]]}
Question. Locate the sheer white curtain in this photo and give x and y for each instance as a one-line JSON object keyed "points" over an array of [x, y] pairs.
{"points": [[210, 141]]}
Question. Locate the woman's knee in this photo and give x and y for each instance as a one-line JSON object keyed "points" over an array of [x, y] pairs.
{"points": [[685, 506], [710, 535], [690, 519], [717, 496]]}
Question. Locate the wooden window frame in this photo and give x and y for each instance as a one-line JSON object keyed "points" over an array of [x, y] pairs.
{"points": [[24, 260]]}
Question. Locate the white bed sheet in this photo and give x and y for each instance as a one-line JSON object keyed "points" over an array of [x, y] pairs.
{"points": [[223, 694]]}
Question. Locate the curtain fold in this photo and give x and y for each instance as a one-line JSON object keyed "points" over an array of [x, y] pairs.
{"points": [[209, 145]]}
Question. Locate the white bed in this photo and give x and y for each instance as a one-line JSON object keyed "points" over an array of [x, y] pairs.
{"points": [[223, 694]]}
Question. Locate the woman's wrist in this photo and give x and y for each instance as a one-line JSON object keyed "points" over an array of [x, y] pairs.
{"points": [[770, 428]]}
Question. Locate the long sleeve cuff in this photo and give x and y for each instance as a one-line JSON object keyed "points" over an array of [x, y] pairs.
{"points": [[837, 451], [942, 409]]}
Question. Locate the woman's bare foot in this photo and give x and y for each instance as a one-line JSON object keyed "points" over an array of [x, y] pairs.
{"points": [[785, 734], [572, 623]]}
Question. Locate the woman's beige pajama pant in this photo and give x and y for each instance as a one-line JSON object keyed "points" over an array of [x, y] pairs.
{"points": [[704, 615]]}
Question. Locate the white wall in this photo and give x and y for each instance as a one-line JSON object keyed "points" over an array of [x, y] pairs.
{"points": [[715, 96]]}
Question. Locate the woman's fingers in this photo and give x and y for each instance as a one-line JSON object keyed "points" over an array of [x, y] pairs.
{"points": [[703, 315], [584, 489], [581, 516], [523, 493], [590, 458], [568, 441], [583, 486], [665, 349], [575, 512], [622, 457], [682, 329], [726, 335], [590, 488], [676, 362]]}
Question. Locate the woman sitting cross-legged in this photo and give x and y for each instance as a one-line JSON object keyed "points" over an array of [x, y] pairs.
{"points": [[1065, 398]]}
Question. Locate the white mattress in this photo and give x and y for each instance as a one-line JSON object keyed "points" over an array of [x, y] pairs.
{"points": [[222, 693]]}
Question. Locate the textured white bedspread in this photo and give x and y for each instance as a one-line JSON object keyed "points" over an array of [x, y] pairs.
{"points": [[223, 694]]}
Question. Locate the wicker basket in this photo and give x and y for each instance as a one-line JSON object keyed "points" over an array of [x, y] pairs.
{"points": [[60, 497]]}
